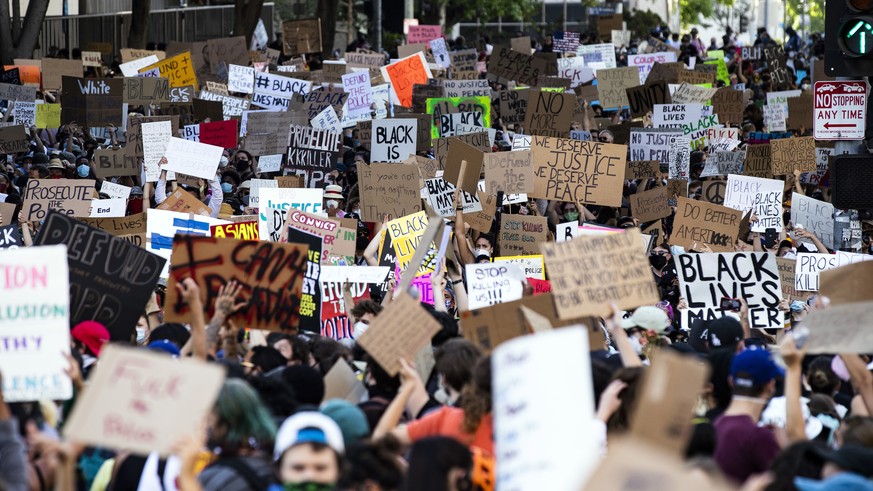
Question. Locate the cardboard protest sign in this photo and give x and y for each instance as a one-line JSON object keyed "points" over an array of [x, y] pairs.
{"points": [[24, 113], [53, 69], [528, 420], [71, 197], [643, 169], [146, 90], [510, 172], [643, 98], [97, 101], [522, 234], [141, 401], [513, 65], [787, 277], [240, 79], [768, 208], [459, 152], [578, 171], [275, 203], [757, 163], [14, 139], [724, 163], [110, 162], [790, 154], [10, 237], [491, 283], [612, 85], [405, 234], [132, 224], [679, 157], [549, 113], [441, 198], [650, 205], [36, 285], [273, 300], [393, 140], [341, 382], [705, 279], [182, 201], [111, 280], [179, 69], [702, 223], [580, 268], [513, 105], [449, 112], [301, 36], [401, 334], [800, 112], [815, 216], [155, 137], [388, 189], [403, 74]]}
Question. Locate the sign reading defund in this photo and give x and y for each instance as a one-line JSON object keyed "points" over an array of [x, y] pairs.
{"points": [[752, 276]]}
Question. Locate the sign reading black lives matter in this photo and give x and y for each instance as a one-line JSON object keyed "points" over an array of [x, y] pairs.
{"points": [[705, 279], [111, 279]]}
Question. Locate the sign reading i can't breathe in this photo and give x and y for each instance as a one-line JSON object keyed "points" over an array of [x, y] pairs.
{"points": [[840, 110]]}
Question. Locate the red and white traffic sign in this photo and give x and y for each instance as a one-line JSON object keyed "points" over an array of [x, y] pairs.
{"points": [[839, 110]]}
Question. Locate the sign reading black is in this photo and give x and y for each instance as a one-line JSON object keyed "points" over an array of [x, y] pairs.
{"points": [[111, 279]]}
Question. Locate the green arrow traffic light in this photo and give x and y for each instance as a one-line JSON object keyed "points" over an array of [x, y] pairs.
{"points": [[858, 37]]}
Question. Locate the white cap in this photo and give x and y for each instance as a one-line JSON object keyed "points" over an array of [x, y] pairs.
{"points": [[308, 426]]}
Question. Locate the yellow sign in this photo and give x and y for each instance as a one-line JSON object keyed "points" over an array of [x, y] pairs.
{"points": [[48, 116], [179, 69], [405, 233]]}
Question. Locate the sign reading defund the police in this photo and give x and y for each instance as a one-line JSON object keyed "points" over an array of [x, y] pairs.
{"points": [[705, 279]]}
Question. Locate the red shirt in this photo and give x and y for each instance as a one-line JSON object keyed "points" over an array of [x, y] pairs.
{"points": [[449, 421]]}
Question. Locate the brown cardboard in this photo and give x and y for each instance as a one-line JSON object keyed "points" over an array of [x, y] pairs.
{"points": [[669, 394], [129, 225], [549, 113], [391, 189], [587, 273], [521, 235], [787, 277], [713, 192], [666, 72], [340, 382], [699, 222], [650, 205], [400, 331], [799, 112], [642, 169], [727, 103], [482, 220], [790, 154], [521, 44], [643, 98], [272, 296], [694, 77], [290, 181], [513, 105], [758, 161], [441, 146], [335, 239], [146, 90], [488, 327], [301, 36], [535, 321], [512, 65], [55, 68], [847, 284], [74, 197], [7, 213], [459, 151], [142, 401], [229, 50], [112, 162], [600, 185], [510, 172], [612, 85], [184, 202], [677, 187]]}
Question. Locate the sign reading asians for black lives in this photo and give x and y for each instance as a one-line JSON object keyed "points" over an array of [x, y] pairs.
{"points": [[705, 279]]}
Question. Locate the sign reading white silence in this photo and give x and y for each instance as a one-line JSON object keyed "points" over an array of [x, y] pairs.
{"points": [[35, 323], [705, 279]]}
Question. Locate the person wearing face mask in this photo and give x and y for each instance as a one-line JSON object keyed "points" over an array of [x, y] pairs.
{"points": [[83, 169], [223, 161], [308, 453], [333, 201], [664, 269], [484, 248], [230, 181]]}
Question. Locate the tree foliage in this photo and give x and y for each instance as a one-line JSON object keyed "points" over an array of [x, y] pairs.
{"points": [[815, 11], [641, 22], [692, 11], [21, 46]]}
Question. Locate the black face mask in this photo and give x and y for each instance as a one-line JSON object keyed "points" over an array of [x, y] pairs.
{"points": [[658, 262]]}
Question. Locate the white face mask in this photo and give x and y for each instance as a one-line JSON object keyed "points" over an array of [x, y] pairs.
{"points": [[635, 343], [359, 329], [332, 203], [482, 252], [223, 161], [140, 336]]}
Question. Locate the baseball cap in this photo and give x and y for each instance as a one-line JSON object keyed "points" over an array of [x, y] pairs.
{"points": [[754, 366], [92, 334], [165, 346], [724, 332], [649, 318], [308, 427], [851, 458]]}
